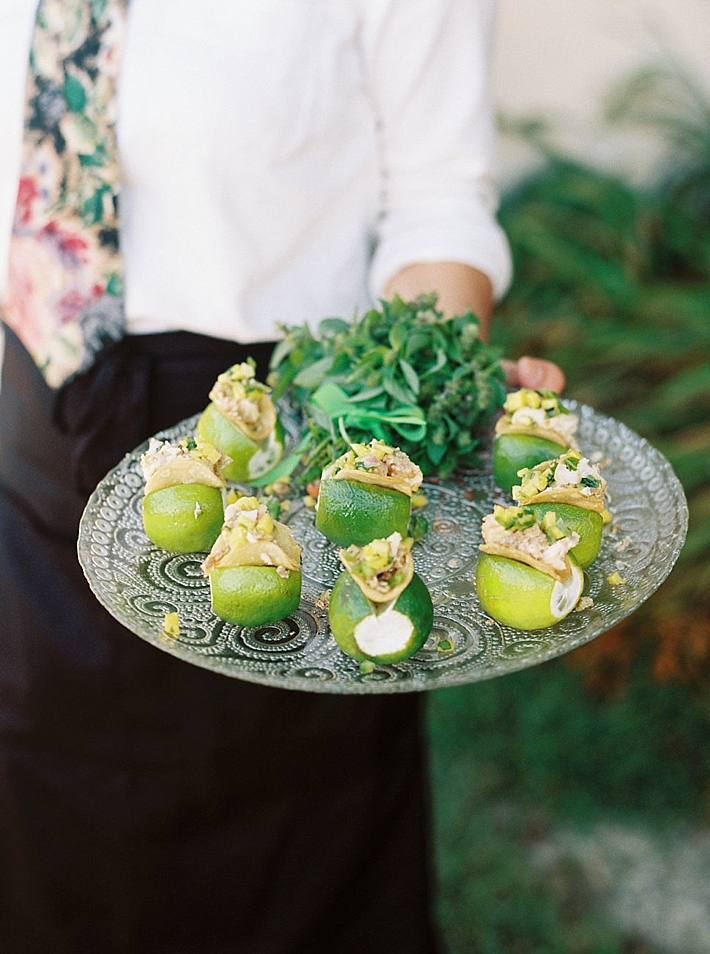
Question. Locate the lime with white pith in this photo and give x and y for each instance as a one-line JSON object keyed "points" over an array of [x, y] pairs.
{"points": [[381, 633], [523, 597], [250, 459]]}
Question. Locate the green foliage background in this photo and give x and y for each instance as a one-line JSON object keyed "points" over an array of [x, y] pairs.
{"points": [[612, 281]]}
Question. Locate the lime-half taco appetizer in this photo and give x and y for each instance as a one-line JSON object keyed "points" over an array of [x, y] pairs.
{"points": [[183, 504], [526, 576], [575, 490], [380, 610], [366, 494], [535, 426], [242, 421], [254, 567]]}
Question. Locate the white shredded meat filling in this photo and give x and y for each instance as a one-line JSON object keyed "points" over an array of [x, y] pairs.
{"points": [[563, 424], [531, 541]]}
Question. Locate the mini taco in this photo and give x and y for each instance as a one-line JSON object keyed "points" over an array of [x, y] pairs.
{"points": [[377, 464], [382, 568], [183, 505], [251, 537], [254, 566], [241, 419], [518, 533], [539, 413], [527, 576], [190, 461], [568, 479], [535, 426], [366, 494]]}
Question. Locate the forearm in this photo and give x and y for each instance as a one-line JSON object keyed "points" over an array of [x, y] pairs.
{"points": [[459, 287]]}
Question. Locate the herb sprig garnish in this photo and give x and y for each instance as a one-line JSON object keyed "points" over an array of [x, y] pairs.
{"points": [[402, 373]]}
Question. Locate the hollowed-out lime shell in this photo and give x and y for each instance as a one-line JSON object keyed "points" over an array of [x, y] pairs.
{"points": [[349, 607], [587, 523], [183, 518], [353, 512], [518, 595], [253, 595], [512, 452], [250, 459]]}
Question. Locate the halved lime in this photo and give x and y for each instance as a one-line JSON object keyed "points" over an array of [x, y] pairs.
{"points": [[381, 633], [254, 595], [520, 596], [512, 452], [183, 518], [353, 512], [587, 523], [250, 458]]}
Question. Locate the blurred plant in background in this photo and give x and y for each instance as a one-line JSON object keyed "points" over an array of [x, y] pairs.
{"points": [[612, 281]]}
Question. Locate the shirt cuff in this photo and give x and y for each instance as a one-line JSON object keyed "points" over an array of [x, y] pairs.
{"points": [[475, 239]]}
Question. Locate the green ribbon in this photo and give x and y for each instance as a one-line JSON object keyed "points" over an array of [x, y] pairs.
{"points": [[346, 412]]}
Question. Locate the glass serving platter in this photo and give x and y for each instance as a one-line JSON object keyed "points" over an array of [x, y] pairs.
{"points": [[139, 584]]}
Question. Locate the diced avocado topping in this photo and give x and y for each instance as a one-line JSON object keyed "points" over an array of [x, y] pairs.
{"points": [[528, 397], [371, 559], [366, 456], [553, 527], [251, 521], [201, 450], [514, 518], [522, 518], [533, 480], [379, 461], [239, 381]]}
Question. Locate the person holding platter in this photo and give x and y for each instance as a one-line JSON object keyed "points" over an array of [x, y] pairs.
{"points": [[190, 178]]}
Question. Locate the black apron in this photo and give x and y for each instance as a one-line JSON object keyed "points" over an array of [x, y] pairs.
{"points": [[148, 806]]}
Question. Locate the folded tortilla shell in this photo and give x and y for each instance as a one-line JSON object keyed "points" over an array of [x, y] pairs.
{"points": [[377, 595], [188, 470], [498, 549], [378, 480]]}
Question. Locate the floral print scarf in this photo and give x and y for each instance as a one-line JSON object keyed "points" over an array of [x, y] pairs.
{"points": [[65, 280]]}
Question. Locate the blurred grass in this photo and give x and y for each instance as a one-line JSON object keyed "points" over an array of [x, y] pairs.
{"points": [[612, 281]]}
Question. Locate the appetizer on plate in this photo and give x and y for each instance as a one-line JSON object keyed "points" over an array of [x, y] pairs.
{"points": [[183, 505], [526, 576], [574, 489], [366, 494], [242, 421], [254, 567], [380, 610], [534, 427]]}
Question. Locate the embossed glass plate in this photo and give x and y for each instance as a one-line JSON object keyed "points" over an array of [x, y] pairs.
{"points": [[139, 583]]}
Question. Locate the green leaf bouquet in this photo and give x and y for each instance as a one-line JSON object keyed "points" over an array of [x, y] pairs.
{"points": [[402, 373]]}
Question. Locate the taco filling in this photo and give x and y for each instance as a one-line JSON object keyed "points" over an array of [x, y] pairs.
{"points": [[188, 462], [245, 401], [569, 479], [251, 537], [377, 463], [539, 413], [382, 568], [541, 542]]}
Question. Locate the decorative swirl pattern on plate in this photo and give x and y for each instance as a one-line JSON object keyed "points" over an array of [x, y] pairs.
{"points": [[139, 583]]}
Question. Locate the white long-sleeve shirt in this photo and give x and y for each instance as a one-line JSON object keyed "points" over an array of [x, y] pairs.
{"points": [[283, 159]]}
